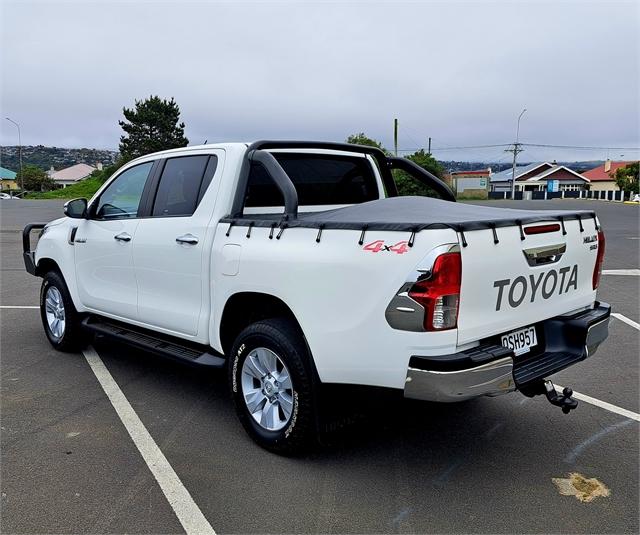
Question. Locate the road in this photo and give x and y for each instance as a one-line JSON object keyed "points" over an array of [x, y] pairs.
{"points": [[484, 466]]}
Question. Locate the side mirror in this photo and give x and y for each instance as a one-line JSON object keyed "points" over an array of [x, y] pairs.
{"points": [[76, 208]]}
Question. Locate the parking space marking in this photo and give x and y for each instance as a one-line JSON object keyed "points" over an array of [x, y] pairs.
{"points": [[627, 272], [603, 405], [626, 320], [17, 306], [183, 505]]}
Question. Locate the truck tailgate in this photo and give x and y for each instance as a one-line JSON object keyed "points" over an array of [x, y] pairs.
{"points": [[517, 282]]}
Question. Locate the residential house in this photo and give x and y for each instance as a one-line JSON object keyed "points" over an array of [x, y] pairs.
{"points": [[602, 177], [7, 179], [536, 177], [70, 175]]}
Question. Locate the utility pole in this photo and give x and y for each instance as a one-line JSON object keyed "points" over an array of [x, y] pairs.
{"points": [[395, 136], [516, 150], [429, 151], [19, 154]]}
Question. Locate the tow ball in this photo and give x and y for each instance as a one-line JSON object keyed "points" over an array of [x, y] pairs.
{"points": [[564, 400]]}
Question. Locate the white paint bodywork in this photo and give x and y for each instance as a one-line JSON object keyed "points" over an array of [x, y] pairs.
{"points": [[337, 291]]}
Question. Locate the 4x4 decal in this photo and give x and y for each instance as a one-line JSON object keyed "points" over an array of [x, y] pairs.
{"points": [[379, 245]]}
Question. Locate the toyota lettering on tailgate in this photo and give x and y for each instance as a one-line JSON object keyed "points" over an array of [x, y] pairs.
{"points": [[540, 286]]}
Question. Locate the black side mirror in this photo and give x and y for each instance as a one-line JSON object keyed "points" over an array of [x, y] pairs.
{"points": [[76, 208]]}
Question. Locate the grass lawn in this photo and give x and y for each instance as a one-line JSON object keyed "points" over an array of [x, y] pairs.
{"points": [[85, 188]]}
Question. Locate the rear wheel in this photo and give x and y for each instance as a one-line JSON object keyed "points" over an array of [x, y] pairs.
{"points": [[272, 386], [59, 317]]}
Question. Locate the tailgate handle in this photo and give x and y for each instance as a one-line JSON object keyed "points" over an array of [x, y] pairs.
{"points": [[547, 254]]}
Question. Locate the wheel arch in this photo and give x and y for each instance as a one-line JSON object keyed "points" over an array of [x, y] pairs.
{"points": [[45, 265], [244, 308]]}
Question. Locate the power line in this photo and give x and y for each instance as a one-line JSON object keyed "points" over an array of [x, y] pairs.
{"points": [[472, 147], [538, 145], [456, 148], [578, 147]]}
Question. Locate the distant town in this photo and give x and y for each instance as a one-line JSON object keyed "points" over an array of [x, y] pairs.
{"points": [[56, 157]]}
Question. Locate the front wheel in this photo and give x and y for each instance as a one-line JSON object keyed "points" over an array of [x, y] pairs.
{"points": [[59, 317], [271, 384]]}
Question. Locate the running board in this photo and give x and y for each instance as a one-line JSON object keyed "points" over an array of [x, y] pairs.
{"points": [[151, 342]]}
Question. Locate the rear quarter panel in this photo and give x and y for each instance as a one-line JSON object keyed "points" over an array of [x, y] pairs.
{"points": [[338, 291]]}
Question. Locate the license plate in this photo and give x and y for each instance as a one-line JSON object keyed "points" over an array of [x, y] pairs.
{"points": [[520, 341]]}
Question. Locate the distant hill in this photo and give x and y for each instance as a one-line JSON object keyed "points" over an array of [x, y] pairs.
{"points": [[56, 157], [578, 167]]}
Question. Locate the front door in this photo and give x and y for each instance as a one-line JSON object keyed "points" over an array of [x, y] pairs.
{"points": [[104, 246], [168, 254]]}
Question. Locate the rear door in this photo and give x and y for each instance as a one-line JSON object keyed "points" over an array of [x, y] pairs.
{"points": [[171, 254], [515, 283]]}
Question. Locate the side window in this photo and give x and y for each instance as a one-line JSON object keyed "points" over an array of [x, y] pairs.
{"points": [[182, 185], [122, 197]]}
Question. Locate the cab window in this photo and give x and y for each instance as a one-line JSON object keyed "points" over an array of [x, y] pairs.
{"points": [[121, 199], [182, 185]]}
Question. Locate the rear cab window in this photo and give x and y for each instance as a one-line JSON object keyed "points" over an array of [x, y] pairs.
{"points": [[182, 185], [321, 180]]}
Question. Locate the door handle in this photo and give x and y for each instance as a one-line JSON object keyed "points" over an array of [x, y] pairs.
{"points": [[123, 236], [189, 239], [545, 255]]}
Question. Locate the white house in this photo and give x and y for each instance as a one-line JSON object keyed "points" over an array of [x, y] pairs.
{"points": [[70, 175], [535, 176]]}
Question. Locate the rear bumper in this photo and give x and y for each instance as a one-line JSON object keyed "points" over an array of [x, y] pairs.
{"points": [[491, 370]]}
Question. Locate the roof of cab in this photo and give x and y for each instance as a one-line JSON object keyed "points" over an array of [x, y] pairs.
{"points": [[192, 148]]}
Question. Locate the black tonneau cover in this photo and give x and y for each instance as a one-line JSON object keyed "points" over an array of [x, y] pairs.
{"points": [[412, 214]]}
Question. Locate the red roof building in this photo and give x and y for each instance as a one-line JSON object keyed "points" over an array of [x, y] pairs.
{"points": [[602, 177]]}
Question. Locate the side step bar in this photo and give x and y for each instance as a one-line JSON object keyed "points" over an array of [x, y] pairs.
{"points": [[148, 341]]}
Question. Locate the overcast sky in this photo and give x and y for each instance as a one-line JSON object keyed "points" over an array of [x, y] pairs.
{"points": [[459, 72]]}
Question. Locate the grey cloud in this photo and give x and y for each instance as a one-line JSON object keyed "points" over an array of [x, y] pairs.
{"points": [[457, 71]]}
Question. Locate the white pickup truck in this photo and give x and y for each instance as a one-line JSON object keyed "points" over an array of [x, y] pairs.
{"points": [[296, 266]]}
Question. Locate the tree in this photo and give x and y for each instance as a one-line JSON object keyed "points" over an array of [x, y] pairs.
{"points": [[151, 126], [407, 185], [628, 177], [362, 139], [35, 179]]}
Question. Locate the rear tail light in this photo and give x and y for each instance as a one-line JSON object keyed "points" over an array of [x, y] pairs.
{"points": [[542, 229], [597, 269], [440, 293]]}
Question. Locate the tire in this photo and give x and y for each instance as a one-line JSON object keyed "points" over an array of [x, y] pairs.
{"points": [[285, 422], [56, 304]]}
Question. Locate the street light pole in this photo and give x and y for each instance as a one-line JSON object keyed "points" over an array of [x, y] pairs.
{"points": [[516, 150], [19, 153]]}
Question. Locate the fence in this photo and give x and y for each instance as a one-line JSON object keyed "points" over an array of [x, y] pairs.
{"points": [[617, 196]]}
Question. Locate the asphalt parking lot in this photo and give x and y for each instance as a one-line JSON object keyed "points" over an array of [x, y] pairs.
{"points": [[68, 464]]}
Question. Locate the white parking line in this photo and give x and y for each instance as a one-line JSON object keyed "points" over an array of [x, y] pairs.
{"points": [[603, 405], [627, 272], [187, 511], [17, 306], [626, 320]]}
